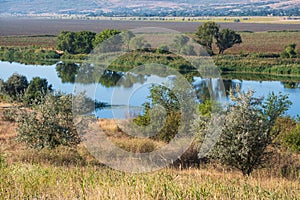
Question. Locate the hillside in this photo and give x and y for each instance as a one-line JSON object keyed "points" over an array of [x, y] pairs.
{"points": [[152, 7]]}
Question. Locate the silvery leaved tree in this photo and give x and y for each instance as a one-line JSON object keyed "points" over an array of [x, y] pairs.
{"points": [[48, 123], [246, 132]]}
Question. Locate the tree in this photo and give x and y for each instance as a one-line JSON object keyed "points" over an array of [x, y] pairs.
{"points": [[248, 129], [292, 139], [180, 41], [15, 86], [210, 31], [2, 85], [226, 38], [126, 37], [152, 118], [65, 41], [104, 35], [75, 42], [206, 34], [290, 51], [49, 124], [37, 88], [84, 41]]}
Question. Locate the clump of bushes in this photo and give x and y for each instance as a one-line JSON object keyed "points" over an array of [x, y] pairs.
{"points": [[49, 124], [289, 51], [17, 88], [26, 54], [292, 139]]}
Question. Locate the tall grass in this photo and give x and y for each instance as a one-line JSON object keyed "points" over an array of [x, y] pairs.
{"points": [[35, 181]]}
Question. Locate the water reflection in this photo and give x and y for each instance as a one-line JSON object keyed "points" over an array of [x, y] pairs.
{"points": [[62, 77], [89, 74], [67, 71], [291, 85]]}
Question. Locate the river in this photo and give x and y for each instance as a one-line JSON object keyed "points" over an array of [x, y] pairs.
{"points": [[132, 92]]}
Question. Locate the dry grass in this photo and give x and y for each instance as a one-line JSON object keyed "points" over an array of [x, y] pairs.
{"points": [[71, 173], [48, 182], [47, 42], [265, 42]]}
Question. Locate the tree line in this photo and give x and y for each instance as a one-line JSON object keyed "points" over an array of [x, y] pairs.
{"points": [[208, 33]]}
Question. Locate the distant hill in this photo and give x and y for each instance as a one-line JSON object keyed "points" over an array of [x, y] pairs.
{"points": [[152, 7]]}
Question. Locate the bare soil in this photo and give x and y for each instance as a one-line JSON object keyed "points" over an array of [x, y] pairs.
{"points": [[35, 26]]}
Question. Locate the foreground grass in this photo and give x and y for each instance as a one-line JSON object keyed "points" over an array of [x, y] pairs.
{"points": [[28, 181], [71, 173]]}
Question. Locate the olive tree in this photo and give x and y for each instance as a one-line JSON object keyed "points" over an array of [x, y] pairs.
{"points": [[248, 129], [48, 124]]}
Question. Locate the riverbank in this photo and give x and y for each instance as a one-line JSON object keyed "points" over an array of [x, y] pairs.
{"points": [[68, 172], [258, 54]]}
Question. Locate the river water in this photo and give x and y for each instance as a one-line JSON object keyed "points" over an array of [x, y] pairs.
{"points": [[127, 96]]}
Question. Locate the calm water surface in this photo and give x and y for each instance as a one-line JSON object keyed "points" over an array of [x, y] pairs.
{"points": [[134, 91]]}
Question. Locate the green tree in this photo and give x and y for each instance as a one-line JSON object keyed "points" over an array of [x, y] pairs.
{"points": [[180, 41], [66, 41], [226, 38], [206, 34], [15, 86], [248, 129], [37, 88], [126, 37], [104, 35], [165, 98], [188, 50], [49, 124], [75, 42], [84, 41]]}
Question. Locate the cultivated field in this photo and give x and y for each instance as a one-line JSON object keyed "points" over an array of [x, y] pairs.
{"points": [[34, 26], [257, 42]]}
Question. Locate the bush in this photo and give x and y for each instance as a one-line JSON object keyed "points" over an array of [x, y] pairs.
{"points": [[36, 89], [290, 51], [248, 129], [292, 139], [49, 124], [15, 86], [165, 98], [162, 49], [9, 115]]}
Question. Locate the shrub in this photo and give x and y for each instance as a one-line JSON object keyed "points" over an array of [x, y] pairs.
{"points": [[49, 124], [15, 86], [36, 89], [292, 139], [162, 49], [248, 129], [289, 52], [9, 115]]}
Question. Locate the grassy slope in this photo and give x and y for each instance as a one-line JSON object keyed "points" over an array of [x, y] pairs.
{"points": [[69, 173], [28, 181]]}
